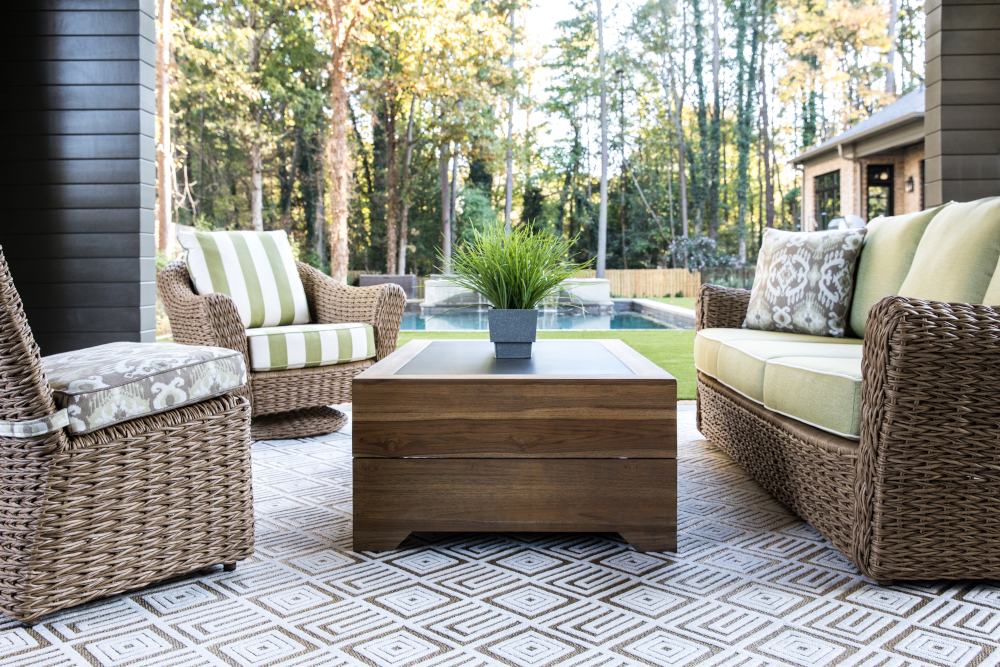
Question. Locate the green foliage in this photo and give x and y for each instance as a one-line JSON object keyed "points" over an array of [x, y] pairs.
{"points": [[518, 270], [823, 60], [702, 253], [476, 214]]}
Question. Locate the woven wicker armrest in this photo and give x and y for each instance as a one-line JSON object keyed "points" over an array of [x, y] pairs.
{"points": [[210, 319], [718, 306], [331, 301], [928, 468]]}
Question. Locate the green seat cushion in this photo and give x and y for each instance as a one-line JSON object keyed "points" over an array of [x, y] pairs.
{"points": [[309, 345], [742, 363], [957, 256], [824, 392], [256, 269], [708, 342], [888, 251]]}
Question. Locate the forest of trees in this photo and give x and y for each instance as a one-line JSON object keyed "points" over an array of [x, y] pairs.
{"points": [[395, 123]]}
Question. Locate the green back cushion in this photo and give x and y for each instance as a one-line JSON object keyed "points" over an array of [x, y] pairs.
{"points": [[256, 269], [885, 260], [992, 297], [958, 254]]}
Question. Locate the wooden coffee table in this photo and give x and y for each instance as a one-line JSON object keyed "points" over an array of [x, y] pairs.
{"points": [[582, 437]]}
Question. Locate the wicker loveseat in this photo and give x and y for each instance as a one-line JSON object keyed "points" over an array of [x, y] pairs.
{"points": [[289, 403], [888, 444]]}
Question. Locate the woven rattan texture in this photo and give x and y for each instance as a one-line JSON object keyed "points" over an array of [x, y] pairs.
{"points": [[304, 423], [924, 499], [720, 307], [284, 391], [89, 516], [162, 496], [815, 483], [212, 320], [928, 474]]}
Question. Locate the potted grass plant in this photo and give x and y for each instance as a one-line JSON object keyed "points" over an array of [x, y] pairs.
{"points": [[514, 272]]}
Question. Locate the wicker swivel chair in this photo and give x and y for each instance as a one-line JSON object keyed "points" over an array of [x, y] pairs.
{"points": [[118, 508], [287, 403]]}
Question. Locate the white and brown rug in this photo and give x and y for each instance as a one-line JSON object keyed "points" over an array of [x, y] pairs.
{"points": [[751, 585]]}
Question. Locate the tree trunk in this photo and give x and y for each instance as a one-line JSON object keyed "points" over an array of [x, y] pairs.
{"points": [[746, 80], [286, 212], [391, 186], [765, 134], [509, 194], [454, 195], [890, 73], [337, 150], [621, 196], [319, 224], [670, 201], [715, 132], [404, 187], [256, 163], [565, 221], [700, 158], [682, 183], [602, 219], [445, 208], [164, 152]]}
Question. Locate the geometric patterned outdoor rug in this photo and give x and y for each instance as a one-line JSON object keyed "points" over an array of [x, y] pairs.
{"points": [[751, 585]]}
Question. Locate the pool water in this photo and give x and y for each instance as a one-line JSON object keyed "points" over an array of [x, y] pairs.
{"points": [[477, 320]]}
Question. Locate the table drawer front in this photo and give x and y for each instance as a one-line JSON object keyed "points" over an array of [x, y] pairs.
{"points": [[587, 495]]}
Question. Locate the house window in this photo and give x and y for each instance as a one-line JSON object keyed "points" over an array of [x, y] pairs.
{"points": [[827, 189], [880, 190]]}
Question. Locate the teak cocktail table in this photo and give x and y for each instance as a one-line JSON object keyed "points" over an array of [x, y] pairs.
{"points": [[582, 437]]}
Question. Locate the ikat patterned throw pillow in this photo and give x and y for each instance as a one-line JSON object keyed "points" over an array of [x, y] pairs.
{"points": [[805, 281]]}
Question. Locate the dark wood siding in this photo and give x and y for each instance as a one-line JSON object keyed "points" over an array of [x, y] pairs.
{"points": [[962, 123], [77, 172]]}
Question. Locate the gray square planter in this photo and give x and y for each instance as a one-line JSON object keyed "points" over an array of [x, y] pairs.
{"points": [[512, 332]]}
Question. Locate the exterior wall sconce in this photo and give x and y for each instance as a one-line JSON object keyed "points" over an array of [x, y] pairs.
{"points": [[909, 184]]}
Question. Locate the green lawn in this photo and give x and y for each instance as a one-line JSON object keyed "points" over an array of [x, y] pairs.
{"points": [[682, 301], [671, 350]]}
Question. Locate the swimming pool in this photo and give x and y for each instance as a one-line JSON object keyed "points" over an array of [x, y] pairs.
{"points": [[477, 320]]}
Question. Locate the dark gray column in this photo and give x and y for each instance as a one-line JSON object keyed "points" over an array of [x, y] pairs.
{"points": [[77, 168], [962, 123]]}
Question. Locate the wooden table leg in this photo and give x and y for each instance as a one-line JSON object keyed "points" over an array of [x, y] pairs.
{"points": [[652, 541], [369, 540]]}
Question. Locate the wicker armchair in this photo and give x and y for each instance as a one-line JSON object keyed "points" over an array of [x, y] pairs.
{"points": [[917, 498], [288, 403], [87, 516]]}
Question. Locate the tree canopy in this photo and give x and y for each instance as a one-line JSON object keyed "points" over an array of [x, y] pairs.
{"points": [[708, 100]]}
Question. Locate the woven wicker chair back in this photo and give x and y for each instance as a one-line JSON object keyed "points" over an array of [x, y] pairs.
{"points": [[24, 392]]}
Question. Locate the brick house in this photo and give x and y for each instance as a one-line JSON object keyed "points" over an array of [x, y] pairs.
{"points": [[875, 168]]}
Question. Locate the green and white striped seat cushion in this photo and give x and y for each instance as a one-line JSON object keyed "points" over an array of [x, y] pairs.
{"points": [[256, 269], [309, 345]]}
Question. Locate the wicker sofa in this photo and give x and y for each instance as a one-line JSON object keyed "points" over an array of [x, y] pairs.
{"points": [[888, 442]]}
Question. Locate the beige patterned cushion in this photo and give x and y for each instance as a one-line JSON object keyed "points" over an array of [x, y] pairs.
{"points": [[805, 282], [118, 382]]}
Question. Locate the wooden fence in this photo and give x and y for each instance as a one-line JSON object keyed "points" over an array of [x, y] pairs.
{"points": [[649, 283], [637, 283]]}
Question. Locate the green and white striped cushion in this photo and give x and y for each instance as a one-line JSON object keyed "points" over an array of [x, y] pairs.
{"points": [[256, 269], [309, 345]]}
